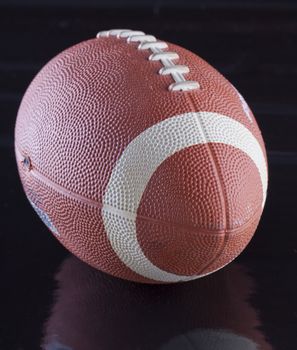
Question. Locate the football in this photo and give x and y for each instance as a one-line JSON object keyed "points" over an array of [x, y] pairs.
{"points": [[141, 158]]}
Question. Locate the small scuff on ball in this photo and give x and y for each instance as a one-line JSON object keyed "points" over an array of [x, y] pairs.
{"points": [[27, 163]]}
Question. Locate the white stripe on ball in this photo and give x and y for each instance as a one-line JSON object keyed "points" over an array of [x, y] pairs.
{"points": [[140, 160]]}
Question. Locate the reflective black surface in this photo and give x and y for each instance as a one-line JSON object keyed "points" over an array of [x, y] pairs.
{"points": [[51, 300]]}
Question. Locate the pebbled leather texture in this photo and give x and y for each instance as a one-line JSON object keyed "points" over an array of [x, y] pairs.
{"points": [[200, 207]]}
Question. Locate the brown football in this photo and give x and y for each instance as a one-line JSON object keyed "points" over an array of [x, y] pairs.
{"points": [[141, 158]]}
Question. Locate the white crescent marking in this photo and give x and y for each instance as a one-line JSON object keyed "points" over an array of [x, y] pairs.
{"points": [[140, 160]]}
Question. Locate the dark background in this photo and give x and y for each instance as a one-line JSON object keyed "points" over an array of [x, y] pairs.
{"points": [[254, 44]]}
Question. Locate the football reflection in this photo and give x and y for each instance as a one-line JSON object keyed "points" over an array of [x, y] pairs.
{"points": [[94, 311]]}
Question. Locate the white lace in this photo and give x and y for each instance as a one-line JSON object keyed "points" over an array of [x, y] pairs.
{"points": [[149, 42]]}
